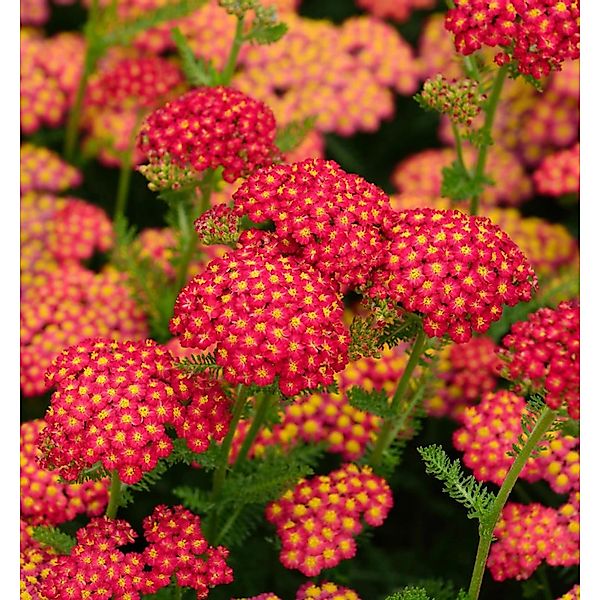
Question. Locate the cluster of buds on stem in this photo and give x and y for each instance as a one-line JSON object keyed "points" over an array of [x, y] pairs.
{"points": [[458, 98]]}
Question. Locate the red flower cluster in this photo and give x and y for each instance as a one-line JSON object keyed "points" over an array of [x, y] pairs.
{"points": [[112, 403], [538, 34], [559, 173], [211, 127], [542, 355], [44, 170], [70, 305], [44, 499], [140, 83], [530, 534], [318, 519], [489, 432], [96, 568], [269, 315], [79, 228], [456, 270], [465, 372], [572, 594], [178, 548], [331, 218], [35, 561]]}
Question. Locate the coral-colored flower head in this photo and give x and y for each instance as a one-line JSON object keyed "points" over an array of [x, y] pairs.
{"points": [[559, 173], [326, 590], [398, 10], [269, 315], [140, 83], [542, 355], [319, 518], [334, 220], [112, 403], [44, 170], [455, 270], [44, 498], [208, 128], [538, 34]]}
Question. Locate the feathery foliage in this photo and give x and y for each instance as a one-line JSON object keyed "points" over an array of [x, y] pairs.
{"points": [[198, 72], [290, 136], [375, 402], [54, 537], [461, 487]]}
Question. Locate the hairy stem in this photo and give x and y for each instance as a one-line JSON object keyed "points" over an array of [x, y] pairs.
{"points": [[262, 408], [125, 172], [388, 429], [486, 131], [115, 495], [486, 527], [221, 471], [236, 45]]}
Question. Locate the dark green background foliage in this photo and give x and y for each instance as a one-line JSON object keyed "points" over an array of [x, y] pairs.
{"points": [[427, 537]]}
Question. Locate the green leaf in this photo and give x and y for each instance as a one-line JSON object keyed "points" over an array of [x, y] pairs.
{"points": [[461, 487], [197, 500], [199, 363], [55, 538], [198, 72], [410, 593], [263, 33], [290, 136], [458, 184], [96, 472], [375, 402]]}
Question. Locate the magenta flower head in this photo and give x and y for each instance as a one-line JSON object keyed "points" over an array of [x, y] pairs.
{"points": [[334, 220], [542, 355], [112, 403], [538, 35], [454, 270], [207, 128], [270, 315]]}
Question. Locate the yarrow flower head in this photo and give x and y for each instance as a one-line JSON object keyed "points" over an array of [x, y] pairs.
{"points": [[177, 548], [528, 534], [539, 35], [325, 591], [559, 173], [269, 315], [398, 10], [318, 519], [208, 128], [459, 99], [44, 170], [44, 498], [542, 355], [141, 83], [332, 219], [491, 429], [112, 403], [455, 270]]}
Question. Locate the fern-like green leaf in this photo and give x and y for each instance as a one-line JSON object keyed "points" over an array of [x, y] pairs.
{"points": [[410, 593], [55, 538], [239, 526], [197, 500], [461, 487], [458, 184], [290, 136], [199, 363], [198, 72], [96, 472], [375, 402], [263, 33]]}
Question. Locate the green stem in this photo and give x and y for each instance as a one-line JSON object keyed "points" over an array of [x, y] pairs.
{"points": [[486, 131], [544, 583], [178, 592], [221, 471], [486, 527], [115, 495], [229, 524], [388, 431], [75, 115], [459, 148], [236, 45], [262, 409], [125, 172]]}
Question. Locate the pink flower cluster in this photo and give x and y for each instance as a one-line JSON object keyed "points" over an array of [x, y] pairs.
{"points": [[318, 519], [332, 219], [71, 304], [43, 170], [465, 372], [44, 499], [573, 594], [538, 34], [456, 270], [488, 433], [528, 534], [140, 83], [112, 403], [269, 315], [542, 355], [559, 173], [208, 128], [326, 590], [97, 568], [398, 10]]}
